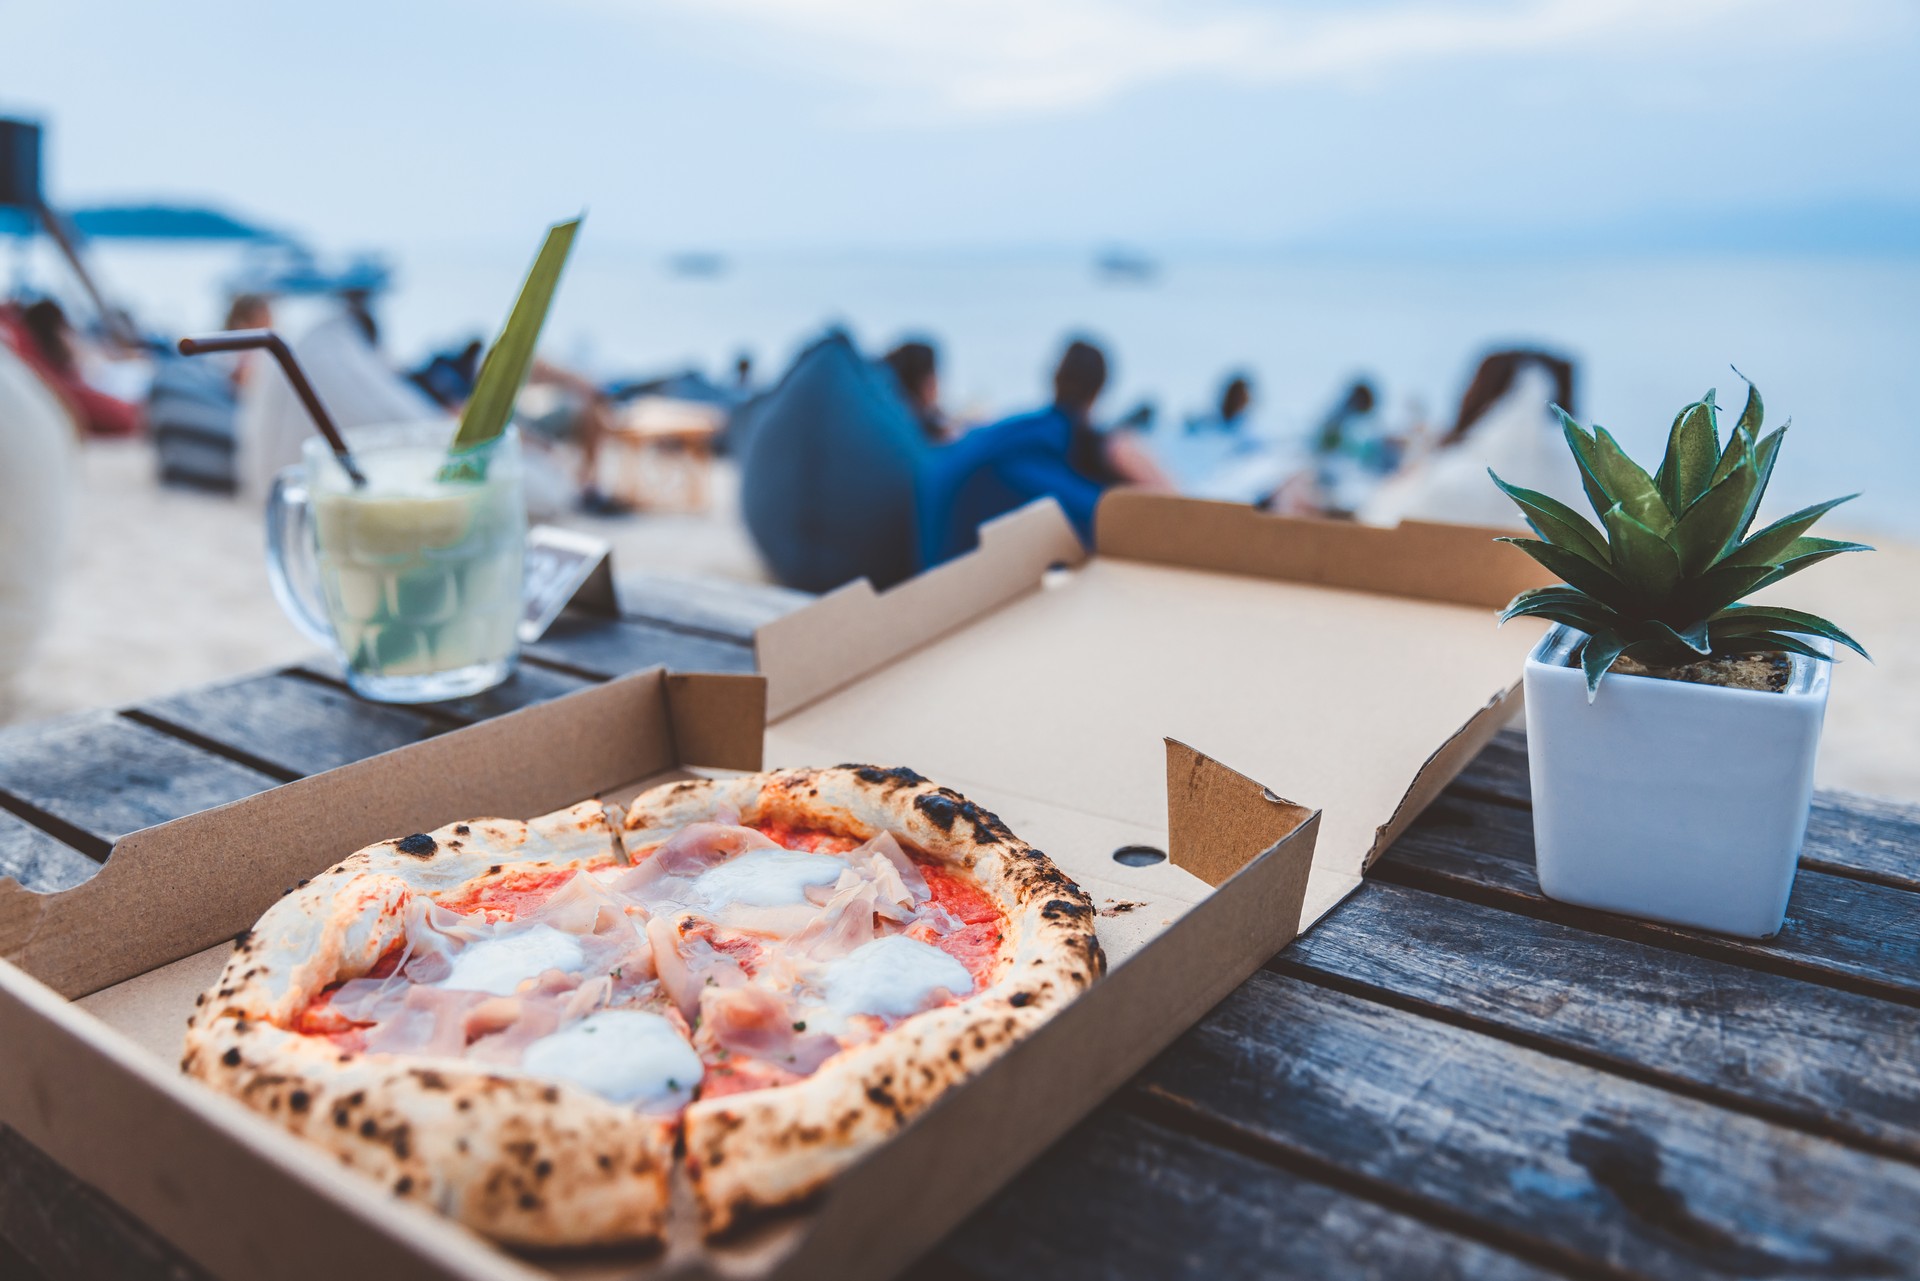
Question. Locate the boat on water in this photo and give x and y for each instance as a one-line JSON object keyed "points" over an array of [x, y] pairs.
{"points": [[697, 264], [1125, 266]]}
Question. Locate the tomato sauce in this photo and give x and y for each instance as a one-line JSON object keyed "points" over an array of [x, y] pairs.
{"points": [[505, 897], [812, 840]]}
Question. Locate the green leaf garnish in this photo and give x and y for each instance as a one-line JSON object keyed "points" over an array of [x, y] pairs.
{"points": [[505, 368]]}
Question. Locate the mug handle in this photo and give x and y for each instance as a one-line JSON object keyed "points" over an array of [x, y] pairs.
{"points": [[292, 566]]}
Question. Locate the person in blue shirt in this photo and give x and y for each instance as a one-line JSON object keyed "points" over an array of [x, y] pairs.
{"points": [[1056, 452]]}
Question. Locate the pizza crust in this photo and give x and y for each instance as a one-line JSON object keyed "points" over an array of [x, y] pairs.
{"points": [[523, 1160], [764, 1149]]}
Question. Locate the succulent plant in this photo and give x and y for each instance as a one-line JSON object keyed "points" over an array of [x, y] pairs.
{"points": [[1665, 581]]}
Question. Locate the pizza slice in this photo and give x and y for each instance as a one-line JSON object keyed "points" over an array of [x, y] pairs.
{"points": [[514, 1022]]}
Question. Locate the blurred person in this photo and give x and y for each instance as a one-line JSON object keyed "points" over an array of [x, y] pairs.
{"points": [[246, 311], [1503, 423], [915, 367], [1107, 458], [743, 375], [577, 413], [1055, 452], [1236, 398], [41, 335]]}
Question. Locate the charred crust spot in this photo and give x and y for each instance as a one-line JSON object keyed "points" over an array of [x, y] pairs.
{"points": [[1020, 1000], [1059, 909], [494, 870], [299, 1100], [542, 1168], [897, 777], [232, 1057], [341, 1118], [940, 810], [681, 789], [355, 1099], [243, 940], [464, 1105], [461, 829], [403, 1185], [943, 807], [200, 999], [954, 1054], [420, 845], [528, 1201], [402, 1142], [429, 1079], [880, 1096], [550, 1095], [369, 1128], [604, 1161]]}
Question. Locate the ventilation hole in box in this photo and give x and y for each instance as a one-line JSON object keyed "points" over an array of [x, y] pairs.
{"points": [[1139, 855]]}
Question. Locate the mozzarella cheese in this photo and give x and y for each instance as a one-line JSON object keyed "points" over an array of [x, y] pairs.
{"points": [[499, 965], [767, 878], [627, 1056], [890, 977]]}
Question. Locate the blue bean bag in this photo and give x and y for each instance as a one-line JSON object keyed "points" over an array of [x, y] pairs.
{"points": [[827, 473], [989, 472]]}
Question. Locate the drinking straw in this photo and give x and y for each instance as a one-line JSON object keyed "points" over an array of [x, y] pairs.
{"points": [[267, 340]]}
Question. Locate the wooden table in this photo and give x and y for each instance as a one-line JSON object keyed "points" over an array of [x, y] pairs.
{"points": [[1449, 1076]]}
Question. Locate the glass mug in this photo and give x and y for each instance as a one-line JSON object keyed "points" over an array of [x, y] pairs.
{"points": [[414, 582]]}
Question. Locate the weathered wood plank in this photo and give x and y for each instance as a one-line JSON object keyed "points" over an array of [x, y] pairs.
{"points": [[1836, 1063], [65, 1230], [1597, 1170], [529, 684], [38, 861], [1851, 933], [288, 725], [91, 779], [599, 648], [1847, 834], [722, 606], [1123, 1197]]}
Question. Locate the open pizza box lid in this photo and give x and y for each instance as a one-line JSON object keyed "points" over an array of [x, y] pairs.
{"points": [[1269, 701]]}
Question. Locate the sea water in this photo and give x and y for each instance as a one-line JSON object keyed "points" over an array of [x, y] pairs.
{"points": [[422, 576]]}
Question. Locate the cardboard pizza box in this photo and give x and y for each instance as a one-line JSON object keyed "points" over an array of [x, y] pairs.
{"points": [[1268, 702]]}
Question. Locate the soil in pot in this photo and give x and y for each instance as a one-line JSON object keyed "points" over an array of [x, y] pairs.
{"points": [[1767, 672]]}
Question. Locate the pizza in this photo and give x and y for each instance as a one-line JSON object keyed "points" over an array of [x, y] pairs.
{"points": [[753, 982]]}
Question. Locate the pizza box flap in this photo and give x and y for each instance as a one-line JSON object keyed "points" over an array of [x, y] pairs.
{"points": [[1349, 670], [539, 759]]}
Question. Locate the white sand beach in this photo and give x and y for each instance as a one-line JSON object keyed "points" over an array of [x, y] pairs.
{"points": [[167, 590]]}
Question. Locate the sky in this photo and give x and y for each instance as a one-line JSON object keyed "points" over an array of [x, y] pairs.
{"points": [[898, 124]]}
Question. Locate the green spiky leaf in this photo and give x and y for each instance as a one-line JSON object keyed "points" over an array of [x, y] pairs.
{"points": [[507, 362], [1745, 620], [1562, 605], [1597, 656], [1713, 523], [1642, 559], [1804, 553], [1753, 413], [1578, 572], [1581, 443], [1767, 643], [1693, 447], [1631, 487], [1558, 523], [1697, 637], [1766, 546]]}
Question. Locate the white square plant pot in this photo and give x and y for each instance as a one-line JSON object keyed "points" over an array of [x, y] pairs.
{"points": [[1668, 800]]}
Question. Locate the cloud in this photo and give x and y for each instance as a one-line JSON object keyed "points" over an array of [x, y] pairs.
{"points": [[985, 58]]}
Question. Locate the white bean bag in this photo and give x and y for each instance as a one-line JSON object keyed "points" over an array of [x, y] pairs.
{"points": [[353, 382], [39, 465]]}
